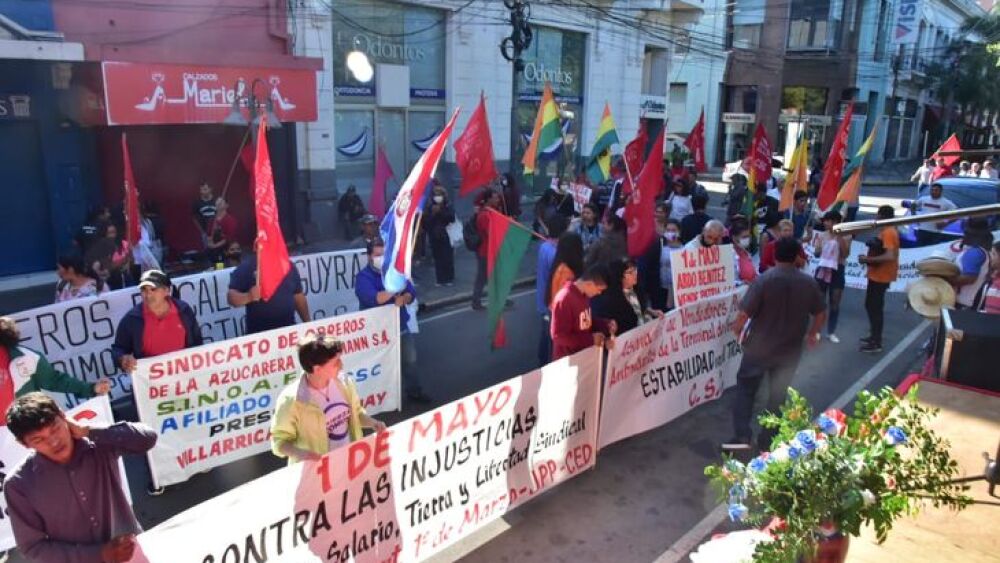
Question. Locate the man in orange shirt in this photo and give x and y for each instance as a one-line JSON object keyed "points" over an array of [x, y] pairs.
{"points": [[883, 267]]}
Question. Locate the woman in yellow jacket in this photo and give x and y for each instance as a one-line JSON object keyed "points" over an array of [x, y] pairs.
{"points": [[321, 411]]}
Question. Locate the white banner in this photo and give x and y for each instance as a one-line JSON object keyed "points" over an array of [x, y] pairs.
{"points": [[857, 274], [409, 492], [666, 367], [96, 411], [213, 404], [581, 195], [702, 272], [76, 336]]}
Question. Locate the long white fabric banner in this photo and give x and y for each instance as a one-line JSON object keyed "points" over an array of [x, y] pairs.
{"points": [[857, 274], [409, 492], [96, 411], [213, 404], [666, 367], [76, 336]]}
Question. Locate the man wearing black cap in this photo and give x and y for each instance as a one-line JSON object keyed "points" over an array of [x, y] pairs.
{"points": [[158, 325], [369, 232]]}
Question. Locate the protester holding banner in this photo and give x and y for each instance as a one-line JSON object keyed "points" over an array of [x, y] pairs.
{"points": [[832, 249], [620, 302], [574, 327], [712, 234], [369, 287], [657, 277], [159, 324], [778, 307], [65, 500], [74, 280], [322, 411], [973, 261], [279, 310], [883, 268], [23, 371]]}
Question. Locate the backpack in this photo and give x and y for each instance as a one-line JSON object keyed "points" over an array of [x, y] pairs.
{"points": [[470, 233]]}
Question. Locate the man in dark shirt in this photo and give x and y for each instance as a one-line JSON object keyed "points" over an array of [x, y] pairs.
{"points": [[203, 208], [277, 312], [778, 306], [692, 224], [65, 499]]}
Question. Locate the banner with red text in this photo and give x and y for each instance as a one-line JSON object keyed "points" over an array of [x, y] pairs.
{"points": [[702, 272], [213, 404], [76, 336], [96, 411], [666, 367], [409, 492]]}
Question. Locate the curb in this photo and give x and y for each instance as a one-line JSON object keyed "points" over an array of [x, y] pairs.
{"points": [[465, 297]]}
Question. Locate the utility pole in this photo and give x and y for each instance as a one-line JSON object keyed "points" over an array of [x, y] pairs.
{"points": [[897, 60], [511, 49]]}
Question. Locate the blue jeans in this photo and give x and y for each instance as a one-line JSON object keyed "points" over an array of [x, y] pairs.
{"points": [[748, 380]]}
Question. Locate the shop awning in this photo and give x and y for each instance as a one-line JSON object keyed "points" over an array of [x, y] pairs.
{"points": [[154, 94]]}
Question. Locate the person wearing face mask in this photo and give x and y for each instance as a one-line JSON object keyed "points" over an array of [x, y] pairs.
{"points": [[369, 288], [659, 278], [739, 231], [711, 234], [440, 216], [832, 250]]}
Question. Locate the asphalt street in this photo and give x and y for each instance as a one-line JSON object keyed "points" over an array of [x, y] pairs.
{"points": [[645, 494]]}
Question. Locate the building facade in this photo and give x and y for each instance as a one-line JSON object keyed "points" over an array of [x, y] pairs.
{"points": [[433, 57]]}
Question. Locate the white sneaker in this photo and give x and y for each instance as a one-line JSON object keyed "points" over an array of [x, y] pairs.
{"points": [[834, 339]]}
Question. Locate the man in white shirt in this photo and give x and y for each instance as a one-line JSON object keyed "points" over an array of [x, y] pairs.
{"points": [[935, 202], [923, 176], [989, 171]]}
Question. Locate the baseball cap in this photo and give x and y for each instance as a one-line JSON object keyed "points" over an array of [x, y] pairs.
{"points": [[369, 218], [154, 278]]}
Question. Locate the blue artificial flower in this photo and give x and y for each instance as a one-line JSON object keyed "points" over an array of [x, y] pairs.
{"points": [[894, 435], [736, 493], [757, 465], [794, 450], [737, 512], [806, 440]]}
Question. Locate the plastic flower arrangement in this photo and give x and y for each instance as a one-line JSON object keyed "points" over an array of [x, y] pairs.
{"points": [[836, 473]]}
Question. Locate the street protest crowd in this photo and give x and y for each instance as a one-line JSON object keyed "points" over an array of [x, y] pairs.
{"points": [[606, 265]]}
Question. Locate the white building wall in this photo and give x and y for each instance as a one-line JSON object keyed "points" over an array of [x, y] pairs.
{"points": [[703, 73]]}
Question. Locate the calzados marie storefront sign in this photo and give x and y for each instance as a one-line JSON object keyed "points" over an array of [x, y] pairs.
{"points": [[147, 94]]}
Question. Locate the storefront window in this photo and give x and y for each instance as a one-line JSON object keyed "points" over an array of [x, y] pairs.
{"points": [[354, 137], [392, 34], [737, 122], [423, 125], [557, 57], [803, 99]]}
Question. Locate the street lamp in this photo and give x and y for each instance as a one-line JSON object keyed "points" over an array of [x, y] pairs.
{"points": [[256, 106]]}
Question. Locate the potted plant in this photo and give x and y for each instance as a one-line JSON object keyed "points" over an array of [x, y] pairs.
{"points": [[826, 477]]}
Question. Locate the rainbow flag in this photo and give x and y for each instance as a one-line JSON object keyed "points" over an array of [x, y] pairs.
{"points": [[545, 132], [850, 189], [599, 167]]}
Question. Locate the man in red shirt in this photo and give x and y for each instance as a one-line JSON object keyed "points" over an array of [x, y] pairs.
{"points": [[159, 325], [222, 230], [573, 327], [941, 171]]}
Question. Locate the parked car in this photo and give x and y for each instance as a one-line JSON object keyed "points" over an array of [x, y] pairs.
{"points": [[963, 192], [777, 169]]}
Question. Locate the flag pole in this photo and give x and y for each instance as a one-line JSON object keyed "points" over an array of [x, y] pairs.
{"points": [[232, 168]]}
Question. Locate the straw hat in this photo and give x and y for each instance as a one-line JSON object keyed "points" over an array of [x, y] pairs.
{"points": [[938, 265], [928, 296]]}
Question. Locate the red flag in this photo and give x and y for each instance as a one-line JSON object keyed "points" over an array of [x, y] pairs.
{"points": [[695, 142], [633, 157], [272, 255], [639, 207], [474, 152], [759, 160], [132, 220], [950, 145], [833, 170], [383, 171]]}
